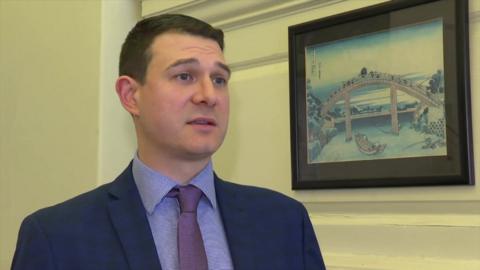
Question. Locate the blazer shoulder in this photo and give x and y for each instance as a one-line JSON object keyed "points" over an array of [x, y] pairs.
{"points": [[74, 208], [259, 195], [90, 203]]}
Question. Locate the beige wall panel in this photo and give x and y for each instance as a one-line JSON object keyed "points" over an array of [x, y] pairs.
{"points": [[270, 37], [49, 77]]}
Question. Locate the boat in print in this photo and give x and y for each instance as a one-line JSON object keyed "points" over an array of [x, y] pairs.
{"points": [[367, 147]]}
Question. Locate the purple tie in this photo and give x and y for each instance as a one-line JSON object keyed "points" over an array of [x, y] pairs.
{"points": [[191, 252]]}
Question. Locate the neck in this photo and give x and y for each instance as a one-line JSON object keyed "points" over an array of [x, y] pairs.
{"points": [[181, 171]]}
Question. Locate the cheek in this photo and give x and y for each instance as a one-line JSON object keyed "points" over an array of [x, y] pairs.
{"points": [[160, 103], [224, 112], [154, 109], [224, 103]]}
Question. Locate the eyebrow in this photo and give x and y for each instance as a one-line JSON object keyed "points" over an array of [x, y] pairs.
{"points": [[195, 61]]}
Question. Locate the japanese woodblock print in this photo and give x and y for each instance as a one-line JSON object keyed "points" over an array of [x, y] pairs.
{"points": [[377, 96]]}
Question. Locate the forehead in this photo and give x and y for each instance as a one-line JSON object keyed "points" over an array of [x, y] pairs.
{"points": [[169, 47]]}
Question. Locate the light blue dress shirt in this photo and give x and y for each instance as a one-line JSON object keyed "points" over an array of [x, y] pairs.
{"points": [[162, 214]]}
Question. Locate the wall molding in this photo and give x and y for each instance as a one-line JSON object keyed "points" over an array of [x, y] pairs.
{"points": [[422, 220], [461, 215], [231, 15], [169, 6], [400, 235], [272, 13], [434, 207], [259, 61], [415, 239], [344, 261]]}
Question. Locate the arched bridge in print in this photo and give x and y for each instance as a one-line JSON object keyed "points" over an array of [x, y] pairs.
{"points": [[394, 82]]}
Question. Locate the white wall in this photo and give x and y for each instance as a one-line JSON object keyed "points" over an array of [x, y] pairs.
{"points": [[59, 112], [49, 77]]}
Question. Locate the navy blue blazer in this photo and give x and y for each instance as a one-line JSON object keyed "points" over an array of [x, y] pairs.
{"points": [[107, 228]]}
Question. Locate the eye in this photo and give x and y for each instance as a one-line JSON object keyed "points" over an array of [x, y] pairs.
{"points": [[220, 81], [184, 76]]}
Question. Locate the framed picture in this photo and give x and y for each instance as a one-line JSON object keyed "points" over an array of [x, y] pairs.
{"points": [[380, 97]]}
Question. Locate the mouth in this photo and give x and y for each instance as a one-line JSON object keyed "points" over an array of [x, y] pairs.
{"points": [[202, 121]]}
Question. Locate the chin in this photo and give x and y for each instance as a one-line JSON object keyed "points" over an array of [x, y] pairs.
{"points": [[202, 151]]}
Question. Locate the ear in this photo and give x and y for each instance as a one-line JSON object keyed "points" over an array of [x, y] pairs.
{"points": [[127, 91]]}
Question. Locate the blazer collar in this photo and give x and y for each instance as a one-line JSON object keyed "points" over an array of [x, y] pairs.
{"points": [[131, 224], [237, 223]]}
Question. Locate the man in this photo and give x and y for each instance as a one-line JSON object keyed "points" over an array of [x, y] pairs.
{"points": [[174, 83]]}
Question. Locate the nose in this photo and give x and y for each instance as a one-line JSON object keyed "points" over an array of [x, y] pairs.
{"points": [[206, 93]]}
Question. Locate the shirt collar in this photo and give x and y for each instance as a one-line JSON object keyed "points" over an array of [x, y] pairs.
{"points": [[153, 186]]}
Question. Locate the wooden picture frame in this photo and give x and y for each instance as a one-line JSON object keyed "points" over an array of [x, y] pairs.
{"points": [[380, 97]]}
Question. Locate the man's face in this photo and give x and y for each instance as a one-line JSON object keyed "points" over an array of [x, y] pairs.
{"points": [[183, 104]]}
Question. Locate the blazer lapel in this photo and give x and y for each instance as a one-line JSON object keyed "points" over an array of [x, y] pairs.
{"points": [[237, 224], [131, 224]]}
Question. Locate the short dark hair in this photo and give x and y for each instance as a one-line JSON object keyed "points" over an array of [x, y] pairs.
{"points": [[136, 54]]}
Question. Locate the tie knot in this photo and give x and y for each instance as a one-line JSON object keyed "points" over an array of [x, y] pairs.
{"points": [[187, 196]]}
